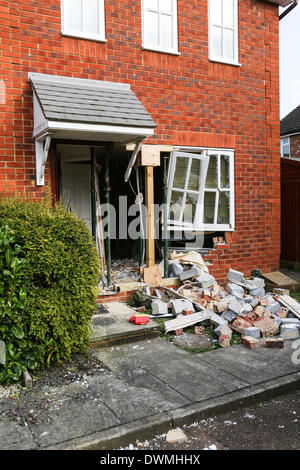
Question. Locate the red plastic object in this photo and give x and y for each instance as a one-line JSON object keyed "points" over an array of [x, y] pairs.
{"points": [[139, 319]]}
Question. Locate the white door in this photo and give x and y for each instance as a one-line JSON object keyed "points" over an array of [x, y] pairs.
{"points": [[76, 189]]}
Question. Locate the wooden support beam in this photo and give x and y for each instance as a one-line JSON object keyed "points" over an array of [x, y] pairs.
{"points": [[149, 193]]}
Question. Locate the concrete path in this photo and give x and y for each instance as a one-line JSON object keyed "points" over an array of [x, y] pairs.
{"points": [[153, 387]]}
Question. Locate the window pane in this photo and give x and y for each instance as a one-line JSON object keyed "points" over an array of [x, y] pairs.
{"points": [[190, 208], [223, 210], [166, 6], [166, 31], [73, 15], [209, 207], [91, 11], [212, 173], [152, 4], [224, 171], [228, 12], [151, 28], [180, 172], [228, 43], [217, 41], [175, 206], [195, 175], [216, 11]]}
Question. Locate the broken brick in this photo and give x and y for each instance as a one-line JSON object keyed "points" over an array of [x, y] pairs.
{"points": [[224, 341], [178, 332], [240, 324], [250, 342], [199, 330], [259, 310], [141, 309], [187, 311], [267, 326], [277, 343]]}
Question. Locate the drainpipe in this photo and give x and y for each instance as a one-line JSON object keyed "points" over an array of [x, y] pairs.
{"points": [[288, 10], [107, 200]]}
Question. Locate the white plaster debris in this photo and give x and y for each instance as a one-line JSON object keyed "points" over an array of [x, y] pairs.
{"points": [[229, 422], [8, 390], [211, 447], [249, 416]]}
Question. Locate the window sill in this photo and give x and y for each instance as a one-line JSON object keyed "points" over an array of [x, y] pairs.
{"points": [[224, 61], [83, 36], [162, 51]]}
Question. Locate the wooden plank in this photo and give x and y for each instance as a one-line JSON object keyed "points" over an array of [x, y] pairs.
{"points": [[278, 278], [291, 304], [150, 239], [153, 276]]}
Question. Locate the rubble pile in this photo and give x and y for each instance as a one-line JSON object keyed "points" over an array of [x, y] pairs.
{"points": [[242, 306]]}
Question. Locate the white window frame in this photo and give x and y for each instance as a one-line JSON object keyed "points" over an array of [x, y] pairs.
{"points": [[235, 29], [282, 144], [84, 34], [161, 48], [198, 224]]}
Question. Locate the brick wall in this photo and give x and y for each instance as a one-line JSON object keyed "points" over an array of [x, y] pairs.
{"points": [[295, 146], [195, 102]]}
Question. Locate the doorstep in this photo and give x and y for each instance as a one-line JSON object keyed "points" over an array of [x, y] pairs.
{"points": [[113, 328]]}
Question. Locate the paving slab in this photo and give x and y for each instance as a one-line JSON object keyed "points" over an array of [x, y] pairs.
{"points": [[74, 418], [114, 327], [15, 436], [245, 364], [194, 379], [139, 355], [286, 355], [136, 395]]}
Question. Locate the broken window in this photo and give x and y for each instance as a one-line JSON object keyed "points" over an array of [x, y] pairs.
{"points": [[200, 190]]}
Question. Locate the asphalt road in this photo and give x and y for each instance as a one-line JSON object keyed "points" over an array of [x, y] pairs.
{"points": [[272, 425]]}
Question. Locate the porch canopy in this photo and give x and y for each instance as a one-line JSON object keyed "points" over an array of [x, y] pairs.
{"points": [[81, 109]]}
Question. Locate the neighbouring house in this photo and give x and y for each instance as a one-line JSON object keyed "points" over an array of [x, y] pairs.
{"points": [[290, 134], [290, 190], [89, 88]]}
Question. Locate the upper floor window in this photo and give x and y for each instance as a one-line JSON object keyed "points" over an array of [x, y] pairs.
{"points": [[223, 31], [285, 147], [160, 25], [83, 19]]}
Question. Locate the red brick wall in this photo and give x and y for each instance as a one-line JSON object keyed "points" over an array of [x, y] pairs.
{"points": [[195, 102], [295, 146]]}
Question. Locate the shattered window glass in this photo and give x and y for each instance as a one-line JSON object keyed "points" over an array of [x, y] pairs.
{"points": [[200, 189]]}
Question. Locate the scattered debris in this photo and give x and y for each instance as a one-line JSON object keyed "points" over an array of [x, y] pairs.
{"points": [[242, 306], [175, 435]]}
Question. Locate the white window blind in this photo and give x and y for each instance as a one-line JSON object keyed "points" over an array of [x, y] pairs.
{"points": [[160, 25], [223, 30], [84, 19]]}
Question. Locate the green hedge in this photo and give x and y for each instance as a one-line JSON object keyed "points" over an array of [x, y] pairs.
{"points": [[58, 278]]}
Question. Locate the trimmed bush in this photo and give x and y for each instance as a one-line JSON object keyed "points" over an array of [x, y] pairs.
{"points": [[57, 280]]}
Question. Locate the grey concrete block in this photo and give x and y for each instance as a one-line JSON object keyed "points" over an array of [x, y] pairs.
{"points": [[159, 307], [223, 330], [289, 332], [252, 331], [229, 315], [235, 275], [235, 290], [205, 280], [259, 292], [175, 269], [218, 320], [235, 306], [190, 273], [246, 308], [178, 305], [254, 302], [291, 321]]}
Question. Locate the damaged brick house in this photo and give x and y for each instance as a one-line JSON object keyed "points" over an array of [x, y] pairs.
{"points": [[87, 86]]}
